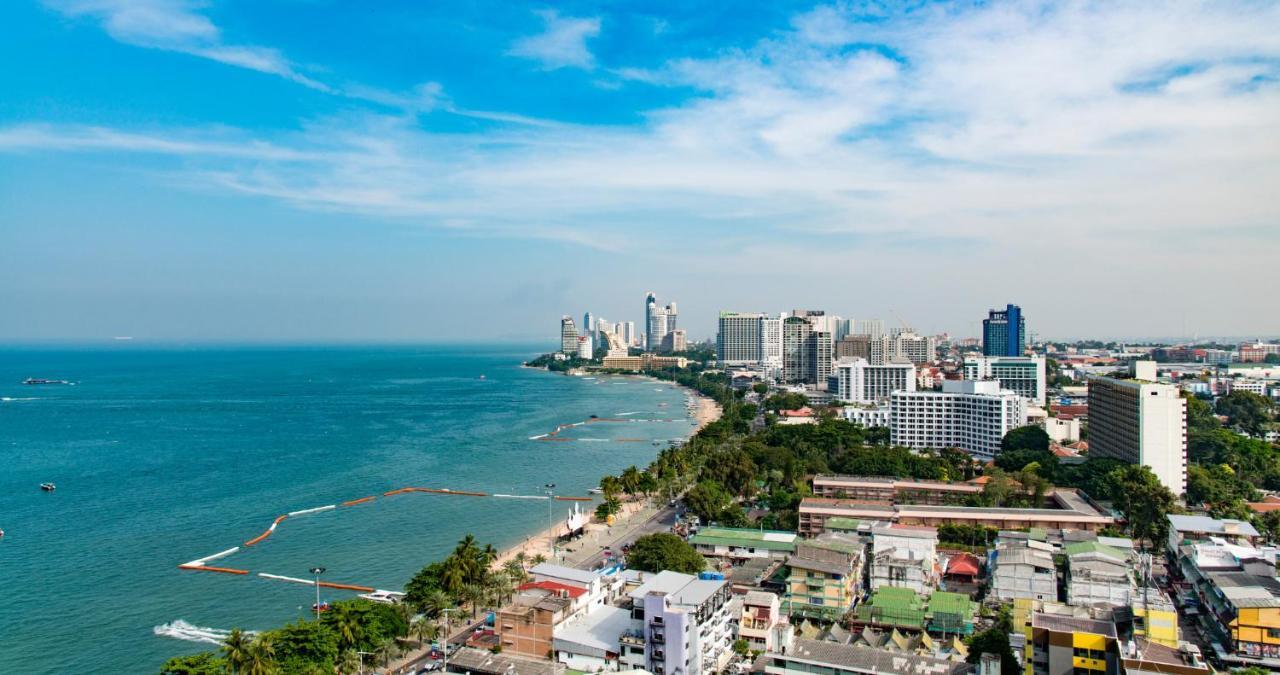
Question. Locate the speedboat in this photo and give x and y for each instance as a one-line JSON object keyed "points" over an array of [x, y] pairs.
{"points": [[595, 491], [322, 607], [48, 487]]}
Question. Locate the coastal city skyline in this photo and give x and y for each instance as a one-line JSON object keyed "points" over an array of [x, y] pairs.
{"points": [[905, 159]]}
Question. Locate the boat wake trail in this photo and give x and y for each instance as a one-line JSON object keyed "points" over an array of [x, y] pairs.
{"points": [[181, 630]]}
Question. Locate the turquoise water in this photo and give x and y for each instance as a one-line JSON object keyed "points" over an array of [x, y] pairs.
{"points": [[164, 456]]}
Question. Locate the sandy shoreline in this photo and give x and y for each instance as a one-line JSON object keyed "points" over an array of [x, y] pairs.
{"points": [[706, 412]]}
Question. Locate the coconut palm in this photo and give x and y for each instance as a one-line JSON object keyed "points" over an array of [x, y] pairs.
{"points": [[349, 662], [235, 649], [488, 555], [523, 559], [423, 630], [436, 601], [260, 657], [514, 570], [474, 595], [501, 586], [539, 559], [345, 622], [387, 651]]}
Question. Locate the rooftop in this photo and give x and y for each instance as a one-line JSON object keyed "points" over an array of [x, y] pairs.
{"points": [[566, 573], [599, 629], [554, 587], [1073, 624], [1207, 525], [1247, 590], [772, 540], [868, 660]]}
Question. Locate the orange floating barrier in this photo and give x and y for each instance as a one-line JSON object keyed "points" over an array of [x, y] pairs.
{"points": [[353, 502], [206, 568], [347, 587], [258, 538], [397, 492]]}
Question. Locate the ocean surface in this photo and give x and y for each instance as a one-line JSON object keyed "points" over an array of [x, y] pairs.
{"points": [[163, 456]]}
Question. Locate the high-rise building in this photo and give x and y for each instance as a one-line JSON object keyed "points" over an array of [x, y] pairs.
{"points": [[1021, 374], [857, 381], [918, 349], [1004, 332], [627, 332], [820, 351], [1141, 422], [973, 415], [854, 347], [568, 336], [738, 341], [795, 349], [658, 321], [872, 327], [675, 341], [588, 325], [771, 346], [585, 347]]}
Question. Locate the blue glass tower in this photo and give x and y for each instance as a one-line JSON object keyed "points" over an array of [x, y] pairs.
{"points": [[1004, 333]]}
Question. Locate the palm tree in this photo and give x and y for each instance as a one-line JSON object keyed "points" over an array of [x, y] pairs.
{"points": [[423, 630], [630, 480], [473, 594], [260, 657], [346, 623], [523, 559], [500, 586], [235, 648], [488, 555], [436, 602], [514, 570], [387, 651], [539, 559], [349, 662]]}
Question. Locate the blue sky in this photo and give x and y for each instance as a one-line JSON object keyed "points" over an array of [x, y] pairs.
{"points": [[314, 170]]}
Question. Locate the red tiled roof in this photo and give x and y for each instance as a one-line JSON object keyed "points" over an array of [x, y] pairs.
{"points": [[964, 564], [554, 587], [1263, 507], [802, 412]]}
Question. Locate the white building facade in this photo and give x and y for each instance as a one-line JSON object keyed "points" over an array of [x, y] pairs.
{"points": [[1140, 422], [1021, 374], [967, 414], [857, 381]]}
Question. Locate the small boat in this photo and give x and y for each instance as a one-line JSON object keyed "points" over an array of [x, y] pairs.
{"points": [[595, 491], [41, 380], [48, 487], [482, 376], [322, 607]]}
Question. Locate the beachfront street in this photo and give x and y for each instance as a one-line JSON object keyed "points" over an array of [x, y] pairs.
{"points": [[590, 555]]}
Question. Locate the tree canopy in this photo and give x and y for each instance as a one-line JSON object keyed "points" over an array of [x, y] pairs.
{"points": [[664, 551]]}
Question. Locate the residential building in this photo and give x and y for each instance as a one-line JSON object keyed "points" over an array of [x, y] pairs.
{"points": [[644, 362], [795, 349], [658, 321], [1065, 509], [1023, 375], [1097, 574], [675, 341], [857, 381], [761, 622], [585, 348], [737, 545], [854, 347], [871, 327], [1141, 422], [1062, 430], [599, 589], [1004, 332], [820, 350], [803, 656], [771, 347], [1072, 645], [971, 415], [1023, 569], [867, 416], [568, 336], [527, 624], [918, 349], [904, 556], [588, 325], [594, 642], [1184, 530], [739, 340], [1148, 656], [685, 622], [825, 576], [1257, 352]]}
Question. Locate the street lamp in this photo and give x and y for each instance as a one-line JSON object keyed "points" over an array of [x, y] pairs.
{"points": [[361, 656], [551, 534], [445, 666], [317, 571]]}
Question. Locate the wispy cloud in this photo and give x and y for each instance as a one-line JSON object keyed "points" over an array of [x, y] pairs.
{"points": [[179, 26], [984, 123], [561, 44]]}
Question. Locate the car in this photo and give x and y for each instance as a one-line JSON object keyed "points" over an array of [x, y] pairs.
{"points": [[431, 667]]}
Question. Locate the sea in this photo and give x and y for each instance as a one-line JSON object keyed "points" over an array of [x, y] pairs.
{"points": [[164, 455]]}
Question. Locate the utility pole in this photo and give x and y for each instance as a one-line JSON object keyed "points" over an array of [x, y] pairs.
{"points": [[361, 655], [317, 571], [445, 667]]}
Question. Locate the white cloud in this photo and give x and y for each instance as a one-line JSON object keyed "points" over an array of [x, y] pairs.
{"points": [[179, 26], [1114, 141], [562, 43]]}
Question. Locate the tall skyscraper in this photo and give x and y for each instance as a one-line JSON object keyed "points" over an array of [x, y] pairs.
{"points": [[795, 349], [588, 325], [1141, 422], [738, 338], [1004, 333], [658, 321], [568, 336]]}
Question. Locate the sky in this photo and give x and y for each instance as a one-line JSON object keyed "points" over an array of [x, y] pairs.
{"points": [[313, 170]]}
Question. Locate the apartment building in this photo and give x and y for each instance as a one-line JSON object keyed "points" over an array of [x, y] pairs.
{"points": [[1141, 422], [857, 381], [971, 415], [825, 576], [904, 556], [1023, 375]]}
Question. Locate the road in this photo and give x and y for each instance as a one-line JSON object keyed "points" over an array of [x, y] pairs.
{"points": [[660, 521]]}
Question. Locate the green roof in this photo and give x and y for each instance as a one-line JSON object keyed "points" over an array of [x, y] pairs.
{"points": [[951, 603], [893, 605], [836, 543], [1095, 547], [771, 540], [841, 523]]}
